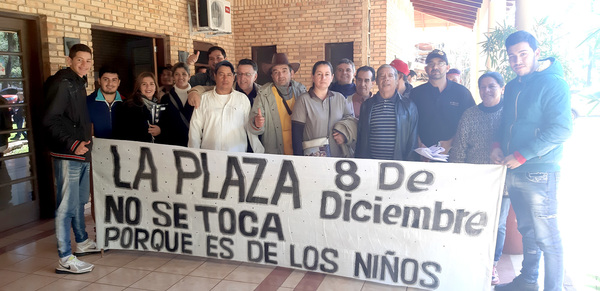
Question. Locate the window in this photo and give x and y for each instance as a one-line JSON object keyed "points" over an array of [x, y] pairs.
{"points": [[334, 52]]}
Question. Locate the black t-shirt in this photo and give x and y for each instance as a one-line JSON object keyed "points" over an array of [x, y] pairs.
{"points": [[439, 112]]}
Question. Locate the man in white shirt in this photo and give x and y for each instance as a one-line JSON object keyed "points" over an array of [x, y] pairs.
{"points": [[218, 123]]}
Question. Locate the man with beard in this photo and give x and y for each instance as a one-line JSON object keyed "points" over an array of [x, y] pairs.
{"points": [[440, 103], [271, 114], [104, 102], [530, 144]]}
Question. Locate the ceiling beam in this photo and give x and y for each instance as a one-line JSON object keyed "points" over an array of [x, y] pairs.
{"points": [[462, 22], [463, 16], [451, 3], [472, 3], [468, 13]]}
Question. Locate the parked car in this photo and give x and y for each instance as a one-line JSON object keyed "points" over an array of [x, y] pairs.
{"points": [[585, 102], [10, 94]]}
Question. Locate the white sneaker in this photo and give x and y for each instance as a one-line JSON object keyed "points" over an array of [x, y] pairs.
{"points": [[73, 266], [86, 247]]}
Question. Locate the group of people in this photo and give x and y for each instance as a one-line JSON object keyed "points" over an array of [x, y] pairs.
{"points": [[338, 116]]}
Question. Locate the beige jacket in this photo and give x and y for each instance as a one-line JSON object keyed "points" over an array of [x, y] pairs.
{"points": [[272, 137]]}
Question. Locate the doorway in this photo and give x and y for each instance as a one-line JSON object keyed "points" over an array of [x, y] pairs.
{"points": [[129, 54], [20, 89]]}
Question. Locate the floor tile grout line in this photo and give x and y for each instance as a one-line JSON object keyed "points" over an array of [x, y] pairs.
{"points": [[275, 273], [308, 278]]}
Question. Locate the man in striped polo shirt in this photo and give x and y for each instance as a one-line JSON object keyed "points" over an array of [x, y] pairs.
{"points": [[387, 128]]}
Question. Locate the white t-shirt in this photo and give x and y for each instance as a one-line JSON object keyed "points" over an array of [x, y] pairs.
{"points": [[219, 123]]}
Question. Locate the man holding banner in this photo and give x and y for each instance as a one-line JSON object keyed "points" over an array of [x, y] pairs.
{"points": [[218, 122], [69, 133], [388, 130], [536, 122]]}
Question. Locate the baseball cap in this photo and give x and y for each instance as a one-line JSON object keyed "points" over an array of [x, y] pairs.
{"points": [[436, 53], [400, 66]]}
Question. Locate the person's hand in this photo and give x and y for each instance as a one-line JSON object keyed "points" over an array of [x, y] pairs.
{"points": [[154, 130], [82, 148], [339, 137], [511, 162], [193, 58], [421, 145], [497, 156], [194, 98], [446, 144], [259, 119]]}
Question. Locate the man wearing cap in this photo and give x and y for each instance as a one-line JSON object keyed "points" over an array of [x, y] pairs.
{"points": [[344, 72], [272, 109], [404, 87], [440, 103], [454, 75]]}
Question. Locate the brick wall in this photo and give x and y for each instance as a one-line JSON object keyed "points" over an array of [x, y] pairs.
{"points": [[63, 18], [378, 32], [299, 28]]}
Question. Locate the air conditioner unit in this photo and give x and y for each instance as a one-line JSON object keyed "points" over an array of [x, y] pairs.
{"points": [[213, 15]]}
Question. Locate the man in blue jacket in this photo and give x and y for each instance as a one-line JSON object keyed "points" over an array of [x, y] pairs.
{"points": [[104, 102], [536, 122]]}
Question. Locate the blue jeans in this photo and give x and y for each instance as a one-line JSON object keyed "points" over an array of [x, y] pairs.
{"points": [[533, 196], [72, 179], [504, 207]]}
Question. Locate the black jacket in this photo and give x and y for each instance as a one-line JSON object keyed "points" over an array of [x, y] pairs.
{"points": [[67, 122], [406, 129], [131, 122], [176, 120]]}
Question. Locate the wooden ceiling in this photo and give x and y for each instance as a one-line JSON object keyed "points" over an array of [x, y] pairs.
{"points": [[435, 13]]}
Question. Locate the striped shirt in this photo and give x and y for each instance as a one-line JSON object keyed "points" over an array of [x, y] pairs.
{"points": [[383, 129]]}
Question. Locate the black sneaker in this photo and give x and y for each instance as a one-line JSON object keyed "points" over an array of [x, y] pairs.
{"points": [[518, 284]]}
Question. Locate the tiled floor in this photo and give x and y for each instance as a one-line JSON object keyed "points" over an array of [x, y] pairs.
{"points": [[28, 259]]}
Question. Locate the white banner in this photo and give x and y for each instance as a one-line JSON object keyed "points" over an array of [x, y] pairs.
{"points": [[424, 225]]}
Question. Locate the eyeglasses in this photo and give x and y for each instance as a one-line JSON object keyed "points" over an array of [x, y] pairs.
{"points": [[246, 74], [439, 65]]}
